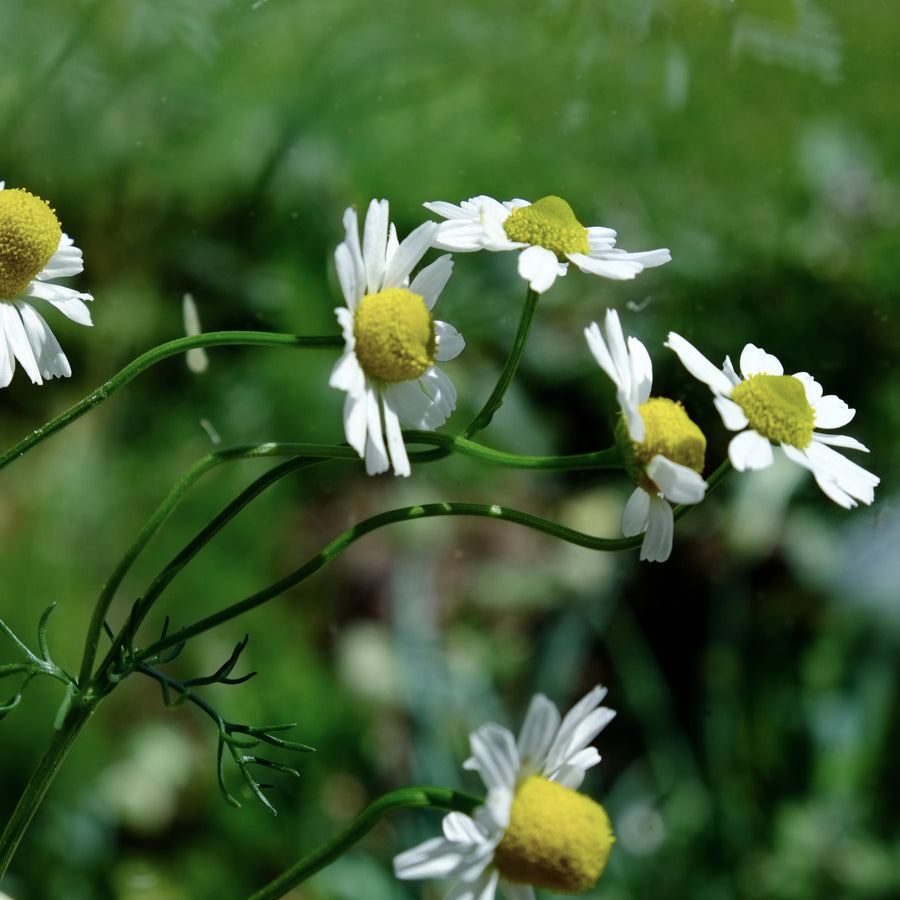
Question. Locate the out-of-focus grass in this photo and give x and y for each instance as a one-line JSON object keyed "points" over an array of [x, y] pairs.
{"points": [[210, 147]]}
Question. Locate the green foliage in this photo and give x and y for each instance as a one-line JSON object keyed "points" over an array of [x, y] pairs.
{"points": [[210, 147]]}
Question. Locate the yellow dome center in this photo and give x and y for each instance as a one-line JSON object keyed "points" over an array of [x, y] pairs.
{"points": [[29, 236], [668, 432], [549, 223], [557, 839], [395, 336], [777, 408]]}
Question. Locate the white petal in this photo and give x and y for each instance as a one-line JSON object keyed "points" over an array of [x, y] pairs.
{"points": [[657, 545], [841, 479], [641, 370], [65, 262], [832, 412], [356, 420], [374, 246], [396, 447], [698, 365], [376, 455], [811, 386], [17, 340], [732, 415], [840, 440], [579, 727], [7, 359], [50, 358], [407, 255], [750, 450], [347, 374], [494, 756], [68, 302], [615, 267], [429, 283], [484, 887], [450, 342], [351, 274], [677, 483], [539, 267], [636, 514], [538, 731], [755, 361]]}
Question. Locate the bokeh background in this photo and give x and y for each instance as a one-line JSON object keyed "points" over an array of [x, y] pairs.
{"points": [[210, 147]]}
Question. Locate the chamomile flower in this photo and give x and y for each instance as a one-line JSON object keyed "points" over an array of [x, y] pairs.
{"points": [[535, 829], [392, 341], [768, 407], [34, 250], [662, 448], [547, 233]]}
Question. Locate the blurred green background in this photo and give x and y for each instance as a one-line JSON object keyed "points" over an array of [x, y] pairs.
{"points": [[210, 147]]}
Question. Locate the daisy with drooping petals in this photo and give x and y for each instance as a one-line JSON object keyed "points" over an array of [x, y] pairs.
{"points": [[391, 339], [535, 829], [547, 233], [33, 251], [662, 448], [768, 407]]}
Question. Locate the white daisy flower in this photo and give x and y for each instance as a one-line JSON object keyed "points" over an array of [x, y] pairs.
{"points": [[768, 407], [33, 251], [662, 448], [535, 829], [547, 233], [391, 339]]}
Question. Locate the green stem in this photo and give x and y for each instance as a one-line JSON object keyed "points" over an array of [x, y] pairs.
{"points": [[249, 451], [157, 354], [354, 533], [600, 459], [483, 419], [406, 798], [64, 737]]}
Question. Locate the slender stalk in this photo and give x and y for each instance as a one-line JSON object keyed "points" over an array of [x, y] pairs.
{"points": [[64, 737], [157, 354], [354, 533], [406, 798], [483, 419], [600, 459], [308, 453]]}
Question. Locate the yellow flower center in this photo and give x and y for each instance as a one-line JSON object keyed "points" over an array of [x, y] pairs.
{"points": [[669, 432], [777, 408], [29, 236], [550, 223], [557, 839], [395, 336]]}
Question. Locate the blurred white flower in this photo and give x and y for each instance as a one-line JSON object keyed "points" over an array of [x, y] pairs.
{"points": [[662, 448], [547, 233], [391, 339], [535, 829], [34, 251], [768, 407]]}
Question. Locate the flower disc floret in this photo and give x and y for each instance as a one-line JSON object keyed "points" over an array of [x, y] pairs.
{"points": [[668, 431], [29, 236], [395, 335], [776, 407], [767, 407], [549, 223], [557, 839]]}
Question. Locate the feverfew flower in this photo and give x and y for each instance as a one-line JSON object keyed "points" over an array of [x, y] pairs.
{"points": [[768, 407], [33, 251], [663, 449], [547, 233], [391, 339], [535, 829]]}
